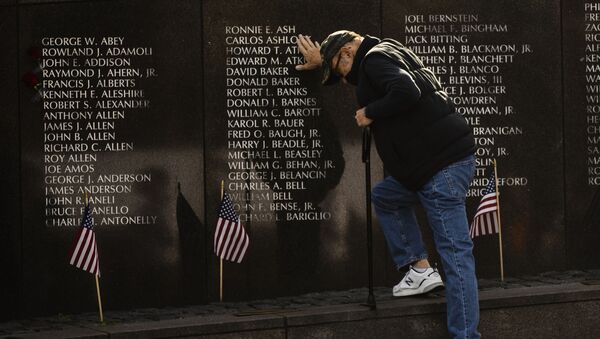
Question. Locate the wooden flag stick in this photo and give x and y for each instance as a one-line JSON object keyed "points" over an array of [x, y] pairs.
{"points": [[99, 299], [221, 259], [221, 282], [97, 281], [499, 223]]}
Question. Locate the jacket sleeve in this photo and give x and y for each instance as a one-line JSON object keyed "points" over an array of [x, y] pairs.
{"points": [[399, 86]]}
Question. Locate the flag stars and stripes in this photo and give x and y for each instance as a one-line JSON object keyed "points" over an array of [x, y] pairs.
{"points": [[231, 240], [85, 250], [486, 218]]}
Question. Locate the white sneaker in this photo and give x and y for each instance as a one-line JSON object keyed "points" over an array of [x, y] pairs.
{"points": [[418, 283]]}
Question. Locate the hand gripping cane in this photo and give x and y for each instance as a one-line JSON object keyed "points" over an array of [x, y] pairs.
{"points": [[366, 158]]}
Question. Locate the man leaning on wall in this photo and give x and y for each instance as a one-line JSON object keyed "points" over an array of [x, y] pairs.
{"points": [[428, 154]]}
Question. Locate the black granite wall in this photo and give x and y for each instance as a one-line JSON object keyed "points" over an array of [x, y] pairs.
{"points": [[119, 118], [501, 63], [287, 148], [581, 27], [9, 171], [148, 105]]}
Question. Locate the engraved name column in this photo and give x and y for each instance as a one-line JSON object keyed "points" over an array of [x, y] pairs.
{"points": [[502, 70], [274, 149], [581, 109], [592, 90], [91, 88], [470, 56]]}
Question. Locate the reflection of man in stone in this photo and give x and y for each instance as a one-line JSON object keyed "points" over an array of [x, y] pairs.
{"points": [[427, 149]]}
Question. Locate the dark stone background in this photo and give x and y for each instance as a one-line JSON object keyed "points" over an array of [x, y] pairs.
{"points": [[583, 201], [533, 215], [550, 224], [295, 257], [149, 265], [10, 210]]}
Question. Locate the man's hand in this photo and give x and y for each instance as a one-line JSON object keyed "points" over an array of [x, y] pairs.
{"points": [[311, 52], [361, 118]]}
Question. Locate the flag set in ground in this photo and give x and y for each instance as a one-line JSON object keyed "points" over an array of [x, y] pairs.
{"points": [[487, 218], [85, 251]]}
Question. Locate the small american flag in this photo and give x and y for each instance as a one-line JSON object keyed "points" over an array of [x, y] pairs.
{"points": [[486, 218], [85, 251], [231, 240]]}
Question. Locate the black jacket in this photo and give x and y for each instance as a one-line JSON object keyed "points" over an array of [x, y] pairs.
{"points": [[415, 126]]}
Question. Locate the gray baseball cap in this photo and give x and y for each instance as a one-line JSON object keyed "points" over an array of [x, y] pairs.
{"points": [[329, 48]]}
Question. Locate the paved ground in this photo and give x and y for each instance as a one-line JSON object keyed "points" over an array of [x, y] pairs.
{"points": [[302, 303]]}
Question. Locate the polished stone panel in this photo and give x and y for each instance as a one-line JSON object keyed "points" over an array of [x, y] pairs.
{"points": [[287, 148], [502, 64], [9, 171], [216, 97], [119, 116], [581, 44]]}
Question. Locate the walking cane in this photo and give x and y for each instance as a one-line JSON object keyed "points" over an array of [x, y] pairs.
{"points": [[366, 158]]}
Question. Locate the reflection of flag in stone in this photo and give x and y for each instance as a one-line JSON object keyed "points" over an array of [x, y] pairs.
{"points": [[486, 218], [231, 240], [85, 252]]}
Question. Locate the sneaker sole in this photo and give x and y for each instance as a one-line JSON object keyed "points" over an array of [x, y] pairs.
{"points": [[426, 289]]}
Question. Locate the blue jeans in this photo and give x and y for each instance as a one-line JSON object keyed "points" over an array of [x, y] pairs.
{"points": [[443, 199]]}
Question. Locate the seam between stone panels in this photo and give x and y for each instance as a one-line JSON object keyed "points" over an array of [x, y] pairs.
{"points": [[381, 18], [206, 294], [566, 236], [19, 235]]}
